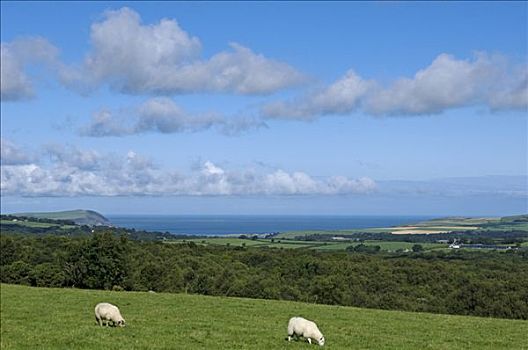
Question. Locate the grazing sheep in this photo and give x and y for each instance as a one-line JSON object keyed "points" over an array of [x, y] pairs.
{"points": [[301, 327], [105, 312]]}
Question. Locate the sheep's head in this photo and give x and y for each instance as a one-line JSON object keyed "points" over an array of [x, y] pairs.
{"points": [[321, 341], [121, 323]]}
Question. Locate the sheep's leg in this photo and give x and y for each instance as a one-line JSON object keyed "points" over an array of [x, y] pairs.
{"points": [[98, 320], [310, 340], [289, 337]]}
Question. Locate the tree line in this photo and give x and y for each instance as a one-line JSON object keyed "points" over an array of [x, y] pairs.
{"points": [[492, 284]]}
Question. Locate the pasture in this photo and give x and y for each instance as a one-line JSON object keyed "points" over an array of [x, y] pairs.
{"points": [[315, 245], [35, 224], [261, 242], [43, 318]]}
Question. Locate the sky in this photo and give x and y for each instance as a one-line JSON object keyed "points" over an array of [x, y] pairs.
{"points": [[343, 108]]}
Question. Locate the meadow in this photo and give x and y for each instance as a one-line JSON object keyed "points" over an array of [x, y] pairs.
{"points": [[36, 224], [47, 318], [312, 245]]}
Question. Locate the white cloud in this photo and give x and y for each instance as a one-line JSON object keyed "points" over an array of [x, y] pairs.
{"points": [[512, 93], [239, 70], [73, 172], [133, 56], [136, 58], [488, 80], [15, 85], [65, 171], [15, 57], [161, 114], [164, 59], [73, 157], [104, 123], [341, 97], [11, 154], [446, 83]]}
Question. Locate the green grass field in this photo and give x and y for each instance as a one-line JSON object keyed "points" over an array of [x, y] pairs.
{"points": [[237, 242], [35, 224], [293, 234], [42, 318], [80, 216], [292, 244]]}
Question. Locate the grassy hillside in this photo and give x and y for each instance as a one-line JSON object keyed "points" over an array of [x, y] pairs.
{"points": [[81, 217], [44, 318]]}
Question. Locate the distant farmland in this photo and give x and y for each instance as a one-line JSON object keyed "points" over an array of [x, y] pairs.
{"points": [[434, 226], [312, 245]]}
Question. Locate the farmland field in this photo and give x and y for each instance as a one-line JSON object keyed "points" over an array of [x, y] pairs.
{"points": [[292, 244], [35, 224], [238, 242], [45, 318], [434, 226]]}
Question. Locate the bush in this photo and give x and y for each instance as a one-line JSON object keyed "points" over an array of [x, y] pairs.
{"points": [[18, 272], [417, 248], [46, 275]]}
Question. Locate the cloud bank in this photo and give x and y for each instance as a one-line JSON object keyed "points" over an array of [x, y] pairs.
{"points": [[69, 172], [488, 80], [66, 171], [161, 114], [161, 59], [11, 154]]}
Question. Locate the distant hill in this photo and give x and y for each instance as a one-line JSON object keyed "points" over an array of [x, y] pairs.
{"points": [[80, 217], [515, 218]]}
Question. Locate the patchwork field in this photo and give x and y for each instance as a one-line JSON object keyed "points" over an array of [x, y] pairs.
{"points": [[434, 226], [42, 318], [421, 230]]}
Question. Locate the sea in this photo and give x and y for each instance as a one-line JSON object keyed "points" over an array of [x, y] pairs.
{"points": [[218, 225]]}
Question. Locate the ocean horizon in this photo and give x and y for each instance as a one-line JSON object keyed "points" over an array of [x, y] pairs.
{"points": [[255, 224]]}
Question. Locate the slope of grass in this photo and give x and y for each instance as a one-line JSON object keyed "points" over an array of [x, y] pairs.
{"points": [[79, 216], [41, 318]]}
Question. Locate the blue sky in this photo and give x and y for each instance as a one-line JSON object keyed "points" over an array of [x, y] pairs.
{"points": [[265, 108]]}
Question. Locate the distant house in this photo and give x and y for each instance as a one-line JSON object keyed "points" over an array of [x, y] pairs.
{"points": [[338, 238], [454, 245]]}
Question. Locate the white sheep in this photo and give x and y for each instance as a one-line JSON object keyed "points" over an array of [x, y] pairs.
{"points": [[109, 313], [301, 327]]}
